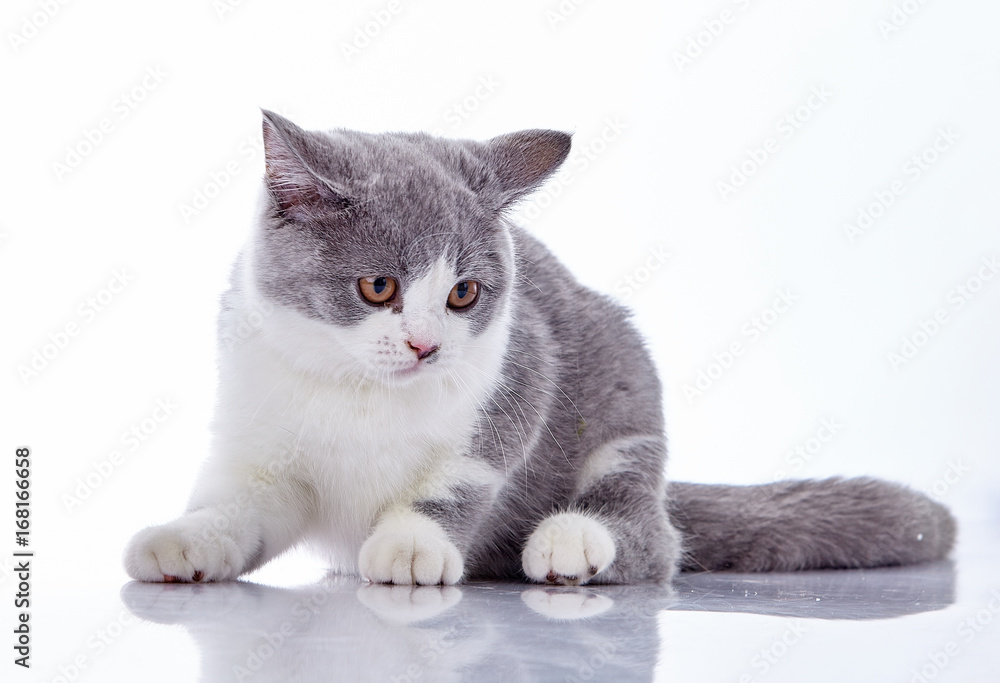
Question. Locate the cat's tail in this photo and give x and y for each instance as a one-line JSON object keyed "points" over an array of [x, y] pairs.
{"points": [[808, 524]]}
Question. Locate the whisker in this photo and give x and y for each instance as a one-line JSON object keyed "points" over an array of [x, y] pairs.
{"points": [[482, 409], [541, 418]]}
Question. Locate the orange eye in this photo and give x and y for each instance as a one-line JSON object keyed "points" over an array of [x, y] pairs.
{"points": [[377, 290], [464, 294]]}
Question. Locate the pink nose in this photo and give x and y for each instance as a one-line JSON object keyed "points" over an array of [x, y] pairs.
{"points": [[422, 349]]}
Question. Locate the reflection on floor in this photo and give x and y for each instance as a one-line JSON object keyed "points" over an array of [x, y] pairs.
{"points": [[341, 630], [872, 594]]}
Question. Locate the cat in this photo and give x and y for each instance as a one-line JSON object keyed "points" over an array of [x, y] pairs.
{"points": [[427, 394]]}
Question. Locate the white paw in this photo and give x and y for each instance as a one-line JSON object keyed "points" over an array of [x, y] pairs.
{"points": [[569, 549], [408, 548], [188, 549]]}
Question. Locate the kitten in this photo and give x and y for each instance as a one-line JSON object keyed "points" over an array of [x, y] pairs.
{"points": [[430, 396]]}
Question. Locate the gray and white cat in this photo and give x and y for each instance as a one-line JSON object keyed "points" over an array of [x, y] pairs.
{"points": [[430, 396]]}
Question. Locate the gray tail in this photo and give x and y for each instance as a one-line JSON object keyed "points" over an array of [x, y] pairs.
{"points": [[808, 524]]}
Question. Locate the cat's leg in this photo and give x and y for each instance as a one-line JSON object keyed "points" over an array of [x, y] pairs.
{"points": [[615, 529], [423, 538], [236, 522]]}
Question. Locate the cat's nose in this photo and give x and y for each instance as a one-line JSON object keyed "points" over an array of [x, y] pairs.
{"points": [[422, 349]]}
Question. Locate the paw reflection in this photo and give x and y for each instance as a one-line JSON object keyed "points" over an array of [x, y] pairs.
{"points": [[408, 604], [566, 603]]}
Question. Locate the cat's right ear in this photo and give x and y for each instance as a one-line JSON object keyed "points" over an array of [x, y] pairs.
{"points": [[522, 161], [297, 191]]}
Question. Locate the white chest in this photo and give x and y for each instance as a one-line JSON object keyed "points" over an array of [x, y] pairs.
{"points": [[360, 446]]}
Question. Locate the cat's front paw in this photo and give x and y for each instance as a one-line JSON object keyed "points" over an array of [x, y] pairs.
{"points": [[568, 549], [184, 550], [407, 549]]}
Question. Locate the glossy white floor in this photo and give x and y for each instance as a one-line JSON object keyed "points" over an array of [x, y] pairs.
{"points": [[801, 148], [938, 622]]}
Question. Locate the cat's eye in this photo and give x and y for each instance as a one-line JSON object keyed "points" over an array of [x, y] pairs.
{"points": [[377, 290], [464, 294]]}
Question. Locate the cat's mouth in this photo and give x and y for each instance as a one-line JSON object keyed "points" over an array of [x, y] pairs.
{"points": [[417, 365], [408, 372], [400, 371]]}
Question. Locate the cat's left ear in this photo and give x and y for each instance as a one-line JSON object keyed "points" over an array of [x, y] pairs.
{"points": [[298, 192], [522, 161]]}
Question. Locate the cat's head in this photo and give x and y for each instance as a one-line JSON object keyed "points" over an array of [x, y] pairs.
{"points": [[388, 255]]}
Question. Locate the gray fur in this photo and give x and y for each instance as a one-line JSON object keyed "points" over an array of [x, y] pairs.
{"points": [[576, 381], [791, 525]]}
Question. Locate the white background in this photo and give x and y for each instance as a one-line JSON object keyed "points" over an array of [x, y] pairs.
{"points": [[676, 130]]}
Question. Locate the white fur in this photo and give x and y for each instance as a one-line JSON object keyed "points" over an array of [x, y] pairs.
{"points": [[408, 548], [317, 434], [193, 543], [568, 548], [607, 459]]}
